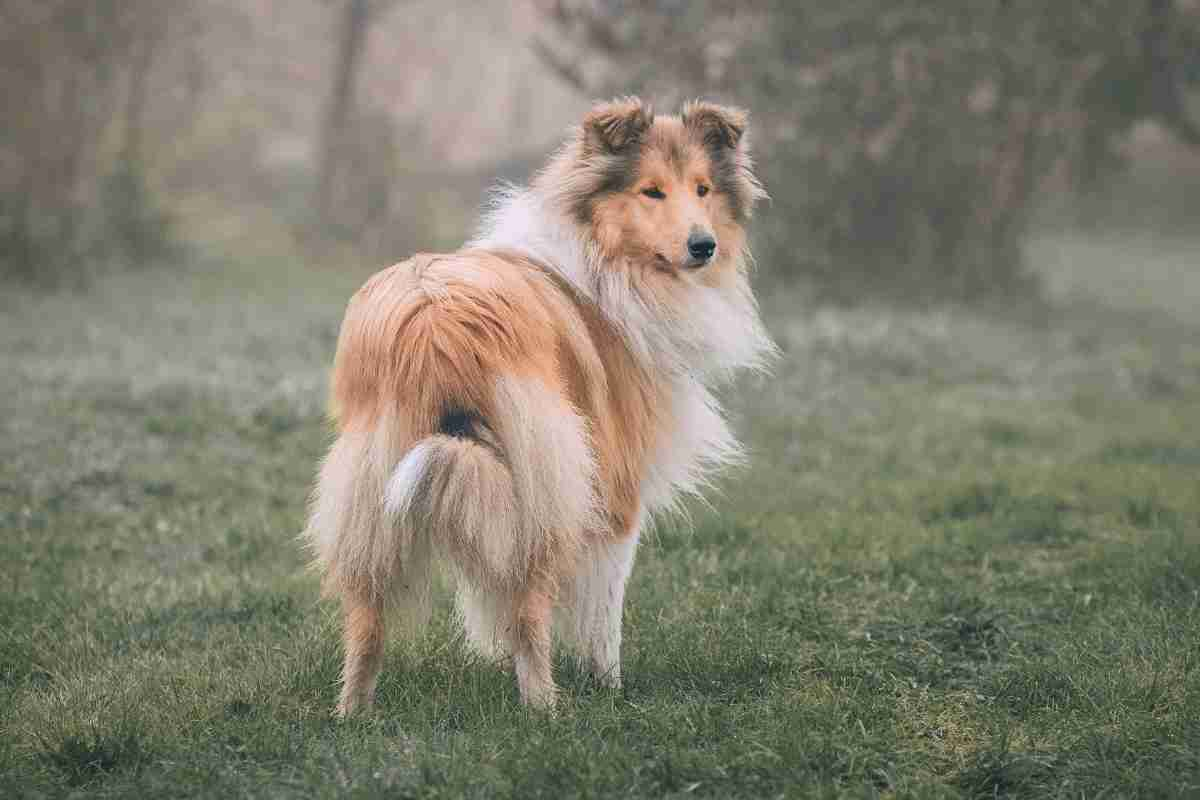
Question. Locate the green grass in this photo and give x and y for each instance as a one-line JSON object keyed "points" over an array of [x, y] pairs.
{"points": [[965, 562]]}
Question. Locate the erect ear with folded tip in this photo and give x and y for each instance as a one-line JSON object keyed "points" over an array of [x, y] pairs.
{"points": [[717, 126], [613, 126]]}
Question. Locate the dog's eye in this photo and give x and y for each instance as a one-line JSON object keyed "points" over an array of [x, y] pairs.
{"points": [[654, 193], [702, 190]]}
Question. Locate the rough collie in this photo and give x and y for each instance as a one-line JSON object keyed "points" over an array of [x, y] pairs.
{"points": [[518, 408]]}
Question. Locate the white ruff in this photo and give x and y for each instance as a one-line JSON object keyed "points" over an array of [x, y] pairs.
{"points": [[705, 337]]}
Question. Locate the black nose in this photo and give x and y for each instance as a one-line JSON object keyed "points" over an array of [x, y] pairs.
{"points": [[701, 246]]}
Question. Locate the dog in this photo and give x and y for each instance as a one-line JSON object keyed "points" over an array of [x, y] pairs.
{"points": [[519, 408]]}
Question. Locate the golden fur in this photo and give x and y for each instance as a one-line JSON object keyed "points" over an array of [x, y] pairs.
{"points": [[517, 407]]}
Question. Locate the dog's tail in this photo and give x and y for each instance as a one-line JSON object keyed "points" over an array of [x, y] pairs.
{"points": [[444, 449]]}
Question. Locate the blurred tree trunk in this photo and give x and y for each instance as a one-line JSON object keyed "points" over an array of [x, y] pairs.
{"points": [[146, 39], [56, 66], [74, 80], [355, 19]]}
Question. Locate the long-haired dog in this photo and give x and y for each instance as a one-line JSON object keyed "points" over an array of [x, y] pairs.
{"points": [[516, 409]]}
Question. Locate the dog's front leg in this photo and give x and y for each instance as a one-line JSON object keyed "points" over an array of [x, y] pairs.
{"points": [[598, 601]]}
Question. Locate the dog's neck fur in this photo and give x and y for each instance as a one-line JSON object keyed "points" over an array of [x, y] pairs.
{"points": [[718, 332]]}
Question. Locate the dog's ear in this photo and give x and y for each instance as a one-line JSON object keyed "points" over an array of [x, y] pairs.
{"points": [[613, 126], [716, 126]]}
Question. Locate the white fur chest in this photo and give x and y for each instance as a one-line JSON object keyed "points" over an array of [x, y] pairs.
{"points": [[696, 442]]}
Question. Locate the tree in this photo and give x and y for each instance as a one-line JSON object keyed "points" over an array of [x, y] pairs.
{"points": [[904, 141], [71, 74], [355, 18]]}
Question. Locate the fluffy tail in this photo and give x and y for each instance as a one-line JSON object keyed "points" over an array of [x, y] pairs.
{"points": [[505, 499]]}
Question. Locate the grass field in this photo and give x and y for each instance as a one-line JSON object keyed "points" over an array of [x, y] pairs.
{"points": [[964, 562]]}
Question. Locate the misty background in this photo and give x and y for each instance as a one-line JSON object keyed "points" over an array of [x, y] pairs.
{"points": [[913, 149], [961, 560]]}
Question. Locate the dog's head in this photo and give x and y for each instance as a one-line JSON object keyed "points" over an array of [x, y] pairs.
{"points": [[672, 193]]}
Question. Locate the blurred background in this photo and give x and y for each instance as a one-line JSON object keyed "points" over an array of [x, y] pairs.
{"points": [[981, 209], [912, 147], [970, 515]]}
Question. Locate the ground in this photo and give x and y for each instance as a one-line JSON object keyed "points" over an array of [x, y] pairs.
{"points": [[964, 560]]}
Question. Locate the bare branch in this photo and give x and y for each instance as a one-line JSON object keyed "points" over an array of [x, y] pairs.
{"points": [[568, 72]]}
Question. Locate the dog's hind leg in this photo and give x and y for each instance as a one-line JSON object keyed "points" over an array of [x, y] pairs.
{"points": [[531, 642], [364, 639]]}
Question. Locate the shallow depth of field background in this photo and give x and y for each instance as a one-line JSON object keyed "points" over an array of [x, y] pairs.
{"points": [[964, 559]]}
